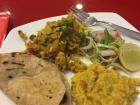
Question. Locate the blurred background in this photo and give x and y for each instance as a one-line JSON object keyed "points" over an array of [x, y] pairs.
{"points": [[24, 11]]}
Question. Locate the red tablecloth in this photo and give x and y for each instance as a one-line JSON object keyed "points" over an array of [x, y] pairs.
{"points": [[24, 11]]}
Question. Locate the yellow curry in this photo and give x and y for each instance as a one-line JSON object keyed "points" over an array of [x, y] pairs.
{"points": [[100, 86]]}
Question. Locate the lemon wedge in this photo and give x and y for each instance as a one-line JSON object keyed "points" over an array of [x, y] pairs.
{"points": [[129, 56]]}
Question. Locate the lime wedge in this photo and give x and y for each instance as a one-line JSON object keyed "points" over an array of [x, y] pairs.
{"points": [[130, 57]]}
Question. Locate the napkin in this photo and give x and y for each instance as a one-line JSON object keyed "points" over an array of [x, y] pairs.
{"points": [[4, 20]]}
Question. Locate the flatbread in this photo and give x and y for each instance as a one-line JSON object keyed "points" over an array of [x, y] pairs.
{"points": [[67, 97], [45, 88], [23, 78], [18, 64]]}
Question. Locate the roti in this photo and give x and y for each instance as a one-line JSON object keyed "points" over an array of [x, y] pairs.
{"points": [[18, 64], [67, 97], [27, 80], [45, 88]]}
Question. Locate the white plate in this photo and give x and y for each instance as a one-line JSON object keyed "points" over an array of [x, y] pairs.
{"points": [[13, 42]]}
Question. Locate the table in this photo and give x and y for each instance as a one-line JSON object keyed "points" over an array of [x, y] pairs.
{"points": [[24, 11]]}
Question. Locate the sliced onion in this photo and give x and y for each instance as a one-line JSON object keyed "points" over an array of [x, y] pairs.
{"points": [[106, 53], [110, 59], [119, 66], [114, 33], [89, 46], [99, 35]]}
